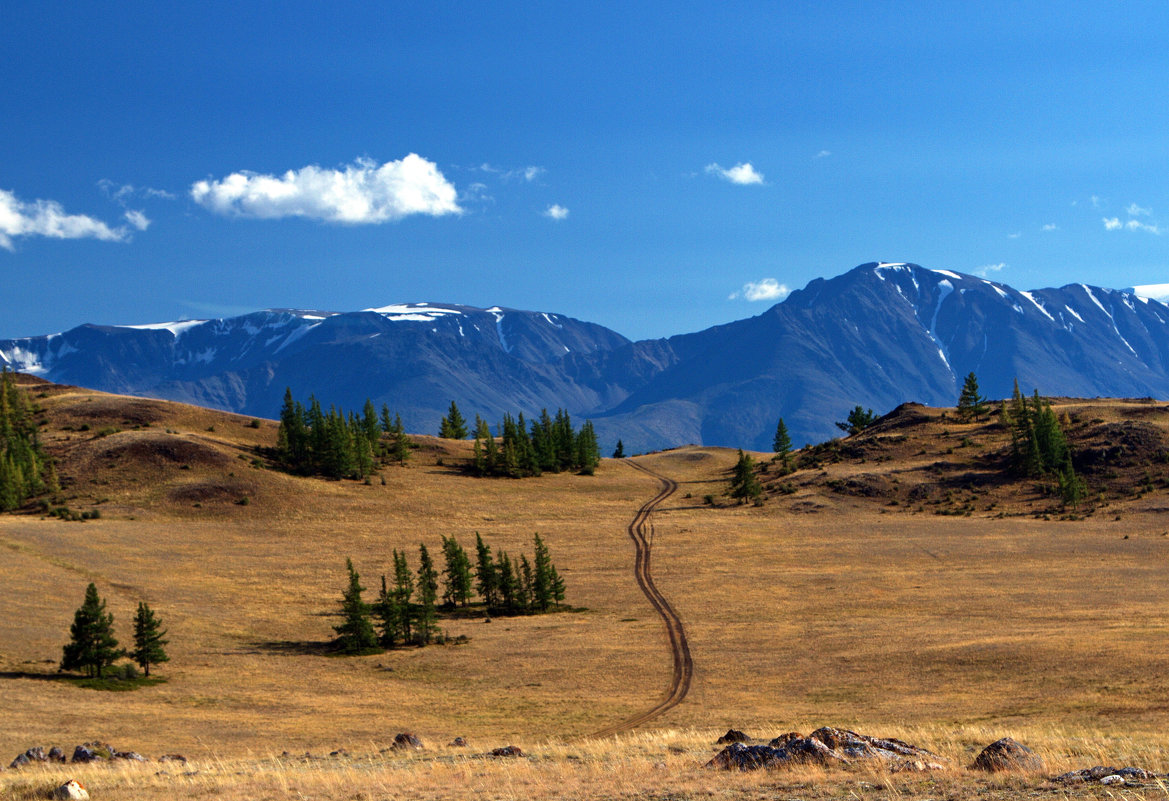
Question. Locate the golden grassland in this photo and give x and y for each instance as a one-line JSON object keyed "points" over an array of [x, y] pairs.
{"points": [[818, 608]]}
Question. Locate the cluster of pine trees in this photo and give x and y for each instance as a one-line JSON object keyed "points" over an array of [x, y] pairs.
{"points": [[335, 444], [406, 610], [25, 469], [92, 646], [745, 485], [549, 445], [1039, 447]]}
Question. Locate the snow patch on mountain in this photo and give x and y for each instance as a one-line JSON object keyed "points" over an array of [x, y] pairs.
{"points": [[1038, 305], [178, 328]]}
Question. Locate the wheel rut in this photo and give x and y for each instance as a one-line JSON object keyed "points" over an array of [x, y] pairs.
{"points": [[640, 530]]}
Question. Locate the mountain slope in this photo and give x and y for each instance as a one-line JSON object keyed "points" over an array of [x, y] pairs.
{"points": [[879, 335]]}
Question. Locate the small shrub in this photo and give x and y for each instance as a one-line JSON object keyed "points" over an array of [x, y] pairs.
{"points": [[244, 501], [254, 424], [107, 431]]}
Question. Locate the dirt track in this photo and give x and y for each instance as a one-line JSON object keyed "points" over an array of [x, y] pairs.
{"points": [[641, 532]]}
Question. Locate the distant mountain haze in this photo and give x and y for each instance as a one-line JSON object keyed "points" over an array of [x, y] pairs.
{"points": [[878, 335]]}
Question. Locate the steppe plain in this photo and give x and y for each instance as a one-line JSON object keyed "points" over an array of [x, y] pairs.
{"points": [[895, 585]]}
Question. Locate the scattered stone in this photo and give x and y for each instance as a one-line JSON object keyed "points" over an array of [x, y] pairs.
{"points": [[1007, 754], [1105, 775], [71, 789], [404, 740], [84, 754], [132, 756], [20, 761], [784, 739], [340, 752], [732, 736], [57, 755], [176, 758], [458, 742], [508, 751]]}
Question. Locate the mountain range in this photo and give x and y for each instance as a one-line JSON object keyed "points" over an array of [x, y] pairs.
{"points": [[879, 335]]}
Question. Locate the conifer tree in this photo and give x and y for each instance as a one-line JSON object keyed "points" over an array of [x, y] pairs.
{"points": [[389, 615], [588, 453], [509, 585], [971, 405], [25, 469], [403, 592], [355, 634], [782, 442], [427, 619], [525, 581], [453, 426], [399, 442], [92, 646], [148, 639], [619, 451], [542, 576], [744, 483], [456, 573], [558, 587], [857, 421], [486, 577]]}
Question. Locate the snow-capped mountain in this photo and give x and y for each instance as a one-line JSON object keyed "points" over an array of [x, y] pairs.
{"points": [[879, 335]]}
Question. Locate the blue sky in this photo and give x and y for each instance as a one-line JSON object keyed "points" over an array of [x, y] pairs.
{"points": [[654, 167]]}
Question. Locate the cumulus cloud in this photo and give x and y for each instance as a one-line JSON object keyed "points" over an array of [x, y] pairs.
{"points": [[1136, 211], [1050, 227], [556, 212], [137, 219], [48, 218], [987, 269], [742, 174], [767, 289], [1114, 224], [364, 192]]}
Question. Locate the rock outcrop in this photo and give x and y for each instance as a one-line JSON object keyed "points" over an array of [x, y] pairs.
{"points": [[732, 736], [1007, 755], [71, 790], [827, 747]]}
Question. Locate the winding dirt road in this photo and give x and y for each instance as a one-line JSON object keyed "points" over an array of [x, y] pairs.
{"points": [[641, 532]]}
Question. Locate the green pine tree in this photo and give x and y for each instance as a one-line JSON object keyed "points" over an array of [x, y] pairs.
{"points": [[453, 426], [971, 405], [427, 619], [355, 634], [781, 443], [457, 580], [403, 592], [619, 451], [92, 646], [542, 577], [389, 615], [148, 639], [486, 577], [744, 483]]}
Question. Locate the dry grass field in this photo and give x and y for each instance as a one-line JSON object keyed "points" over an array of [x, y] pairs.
{"points": [[828, 605]]}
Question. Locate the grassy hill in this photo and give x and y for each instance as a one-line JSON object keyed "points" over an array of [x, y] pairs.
{"points": [[828, 604]]}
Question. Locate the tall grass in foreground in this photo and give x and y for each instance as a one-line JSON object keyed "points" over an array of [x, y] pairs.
{"points": [[662, 764]]}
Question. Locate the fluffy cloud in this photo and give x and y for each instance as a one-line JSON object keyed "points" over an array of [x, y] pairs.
{"points": [[767, 289], [823, 154], [742, 174], [1136, 211], [361, 193], [1114, 224], [1050, 227], [48, 218], [987, 269], [556, 212]]}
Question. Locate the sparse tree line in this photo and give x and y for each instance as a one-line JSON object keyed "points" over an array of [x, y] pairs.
{"points": [[1039, 447], [548, 445], [336, 444], [406, 609], [26, 471], [92, 646]]}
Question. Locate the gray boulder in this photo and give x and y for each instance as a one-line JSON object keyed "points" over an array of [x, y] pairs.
{"points": [[1007, 755]]}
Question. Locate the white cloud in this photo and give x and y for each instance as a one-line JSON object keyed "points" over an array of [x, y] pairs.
{"points": [[1050, 227], [362, 193], [742, 174], [1095, 201], [137, 219], [823, 154], [987, 269], [1114, 224], [1015, 235], [532, 173], [528, 174], [767, 289], [1136, 211], [556, 212], [48, 218]]}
